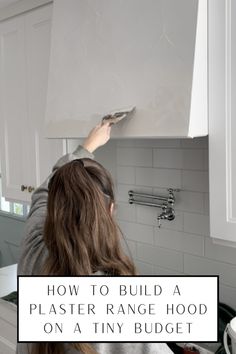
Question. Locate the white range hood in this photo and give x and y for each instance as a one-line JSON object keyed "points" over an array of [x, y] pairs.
{"points": [[109, 54]]}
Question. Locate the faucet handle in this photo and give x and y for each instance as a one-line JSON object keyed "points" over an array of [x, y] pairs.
{"points": [[171, 190], [167, 214], [171, 197]]}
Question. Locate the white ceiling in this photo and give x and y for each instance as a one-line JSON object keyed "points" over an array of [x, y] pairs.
{"points": [[4, 3]]}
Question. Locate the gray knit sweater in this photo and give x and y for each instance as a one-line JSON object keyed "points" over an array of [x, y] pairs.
{"points": [[34, 252]]}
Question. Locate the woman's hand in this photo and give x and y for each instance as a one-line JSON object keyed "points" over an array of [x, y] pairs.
{"points": [[98, 136]]}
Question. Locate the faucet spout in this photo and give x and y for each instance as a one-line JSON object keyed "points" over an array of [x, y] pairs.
{"points": [[167, 214]]}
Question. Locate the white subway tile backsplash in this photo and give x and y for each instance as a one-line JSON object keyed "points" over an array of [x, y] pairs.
{"points": [[200, 265], [190, 201], [125, 212], [193, 159], [168, 158], [182, 246], [164, 271], [178, 158], [137, 232], [160, 143], [125, 143], [163, 191], [227, 295], [219, 253], [196, 223], [206, 203], [134, 157], [129, 247], [195, 143], [179, 241], [147, 215], [132, 245], [144, 268], [206, 160], [195, 181], [160, 256], [165, 143], [126, 175], [164, 178]]}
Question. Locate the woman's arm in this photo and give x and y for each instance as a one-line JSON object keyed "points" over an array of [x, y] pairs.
{"points": [[33, 249], [97, 137]]}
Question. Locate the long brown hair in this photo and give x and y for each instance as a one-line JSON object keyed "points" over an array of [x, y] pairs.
{"points": [[80, 232]]}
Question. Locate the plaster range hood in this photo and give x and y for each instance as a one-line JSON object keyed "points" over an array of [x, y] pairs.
{"points": [[109, 54]]}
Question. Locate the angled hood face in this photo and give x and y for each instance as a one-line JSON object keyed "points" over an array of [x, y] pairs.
{"points": [[109, 54]]}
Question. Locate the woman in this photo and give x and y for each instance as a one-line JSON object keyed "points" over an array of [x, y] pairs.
{"points": [[70, 230]]}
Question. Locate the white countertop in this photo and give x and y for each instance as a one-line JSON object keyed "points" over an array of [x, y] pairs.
{"points": [[8, 279]]}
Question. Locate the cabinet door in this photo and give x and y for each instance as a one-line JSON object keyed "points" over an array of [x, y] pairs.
{"points": [[43, 152], [222, 122], [13, 112]]}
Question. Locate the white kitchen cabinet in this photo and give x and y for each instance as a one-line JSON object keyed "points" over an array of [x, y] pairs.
{"points": [[109, 54], [13, 108], [26, 156], [222, 122], [43, 152]]}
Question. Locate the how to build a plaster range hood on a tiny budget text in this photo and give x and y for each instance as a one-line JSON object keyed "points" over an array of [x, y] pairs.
{"points": [[109, 54]]}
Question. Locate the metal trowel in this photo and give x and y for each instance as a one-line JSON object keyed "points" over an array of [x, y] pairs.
{"points": [[116, 116]]}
